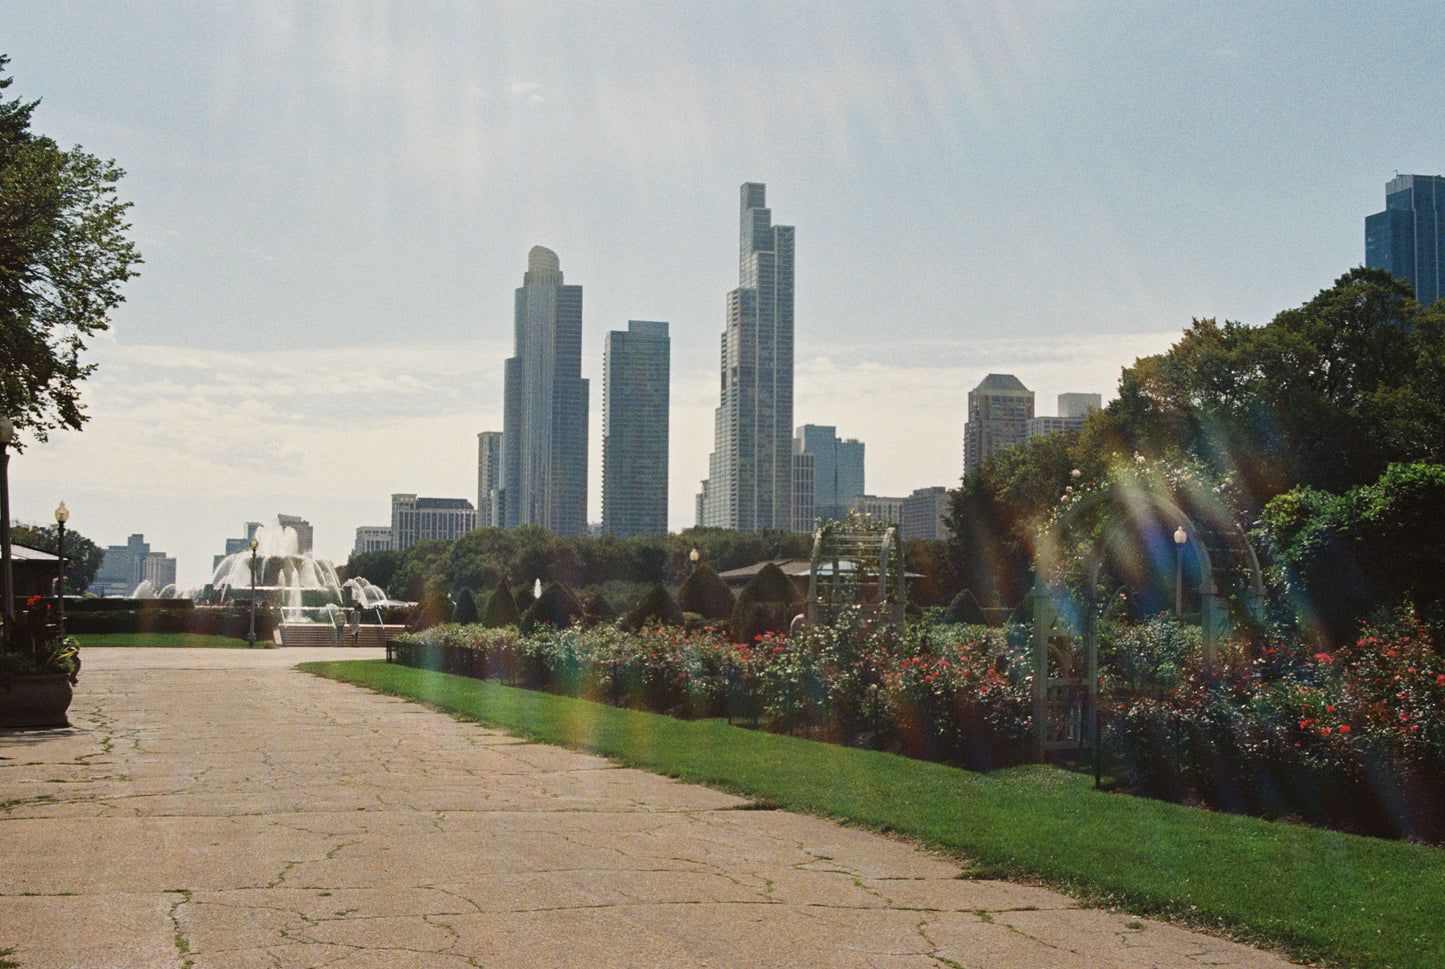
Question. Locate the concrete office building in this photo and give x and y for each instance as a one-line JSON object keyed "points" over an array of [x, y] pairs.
{"points": [[372, 538], [416, 519], [1408, 238], [124, 567], [880, 508], [544, 432], [923, 514], [635, 387], [999, 411], [804, 519], [1074, 410], [750, 471]]}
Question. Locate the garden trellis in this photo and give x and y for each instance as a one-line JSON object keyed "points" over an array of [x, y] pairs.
{"points": [[857, 566], [1133, 531]]}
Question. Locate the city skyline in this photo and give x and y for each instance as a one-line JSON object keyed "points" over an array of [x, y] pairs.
{"points": [[331, 201]]}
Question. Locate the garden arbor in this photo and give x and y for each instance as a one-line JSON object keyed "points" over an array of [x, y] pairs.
{"points": [[1135, 537], [857, 565]]}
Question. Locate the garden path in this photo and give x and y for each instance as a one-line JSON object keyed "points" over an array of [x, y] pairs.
{"points": [[217, 808]]}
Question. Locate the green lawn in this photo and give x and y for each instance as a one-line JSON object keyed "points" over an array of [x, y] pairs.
{"points": [[1320, 895], [191, 640]]}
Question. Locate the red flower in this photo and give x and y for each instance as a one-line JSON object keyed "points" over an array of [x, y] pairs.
{"points": [[1344, 728]]}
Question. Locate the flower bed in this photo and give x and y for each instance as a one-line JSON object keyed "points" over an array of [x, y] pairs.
{"points": [[953, 694], [1351, 740]]}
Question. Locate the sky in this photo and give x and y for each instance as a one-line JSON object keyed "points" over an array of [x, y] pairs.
{"points": [[335, 202]]}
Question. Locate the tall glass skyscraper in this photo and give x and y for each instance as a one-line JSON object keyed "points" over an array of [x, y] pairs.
{"points": [[749, 483], [544, 413], [837, 469], [635, 387], [1408, 238]]}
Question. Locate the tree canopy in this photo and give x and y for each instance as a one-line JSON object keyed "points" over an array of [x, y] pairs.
{"points": [[83, 555], [1327, 426], [64, 255], [1325, 396]]}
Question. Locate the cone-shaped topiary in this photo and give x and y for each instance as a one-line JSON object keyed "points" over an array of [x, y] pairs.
{"points": [[766, 604], [597, 610], [557, 606], [465, 611], [657, 606], [501, 608], [705, 593], [965, 609]]}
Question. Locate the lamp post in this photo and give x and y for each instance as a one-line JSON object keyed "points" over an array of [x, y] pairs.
{"points": [[62, 515], [251, 632], [7, 434], [1180, 537]]}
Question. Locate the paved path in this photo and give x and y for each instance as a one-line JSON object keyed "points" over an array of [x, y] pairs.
{"points": [[215, 808]]}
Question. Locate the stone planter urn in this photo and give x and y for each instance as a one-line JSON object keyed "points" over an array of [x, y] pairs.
{"points": [[35, 702]]}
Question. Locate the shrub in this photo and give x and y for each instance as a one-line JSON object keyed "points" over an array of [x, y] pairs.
{"points": [[767, 604], [501, 608], [964, 608], [597, 610], [1353, 739], [705, 593], [466, 609], [557, 607], [657, 607]]}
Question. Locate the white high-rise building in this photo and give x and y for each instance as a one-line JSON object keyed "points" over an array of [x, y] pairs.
{"points": [[749, 483], [544, 414], [489, 479]]}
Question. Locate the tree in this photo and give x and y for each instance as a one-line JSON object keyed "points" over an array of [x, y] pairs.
{"points": [[83, 555], [63, 258], [1326, 395], [996, 510]]}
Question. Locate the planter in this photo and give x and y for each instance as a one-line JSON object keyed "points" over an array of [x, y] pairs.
{"points": [[35, 702]]}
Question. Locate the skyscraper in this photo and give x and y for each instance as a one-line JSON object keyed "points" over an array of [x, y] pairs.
{"points": [[635, 387], [544, 413], [999, 411], [837, 469], [489, 479], [1408, 238], [749, 483]]}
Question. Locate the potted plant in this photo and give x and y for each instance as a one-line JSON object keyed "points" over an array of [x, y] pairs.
{"points": [[38, 668]]}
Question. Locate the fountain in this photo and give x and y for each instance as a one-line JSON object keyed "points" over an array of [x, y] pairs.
{"points": [[304, 589]]}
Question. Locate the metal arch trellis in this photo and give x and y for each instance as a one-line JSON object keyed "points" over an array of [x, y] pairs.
{"points": [[1066, 678], [857, 569]]}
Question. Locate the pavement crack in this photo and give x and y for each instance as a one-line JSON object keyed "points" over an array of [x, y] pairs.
{"points": [[178, 932]]}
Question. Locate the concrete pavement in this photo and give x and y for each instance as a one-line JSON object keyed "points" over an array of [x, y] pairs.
{"points": [[217, 808]]}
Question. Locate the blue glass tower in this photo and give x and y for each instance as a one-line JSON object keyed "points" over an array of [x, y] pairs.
{"points": [[1408, 238]]}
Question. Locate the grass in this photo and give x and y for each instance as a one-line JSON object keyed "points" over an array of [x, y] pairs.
{"points": [[1316, 894], [167, 640]]}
